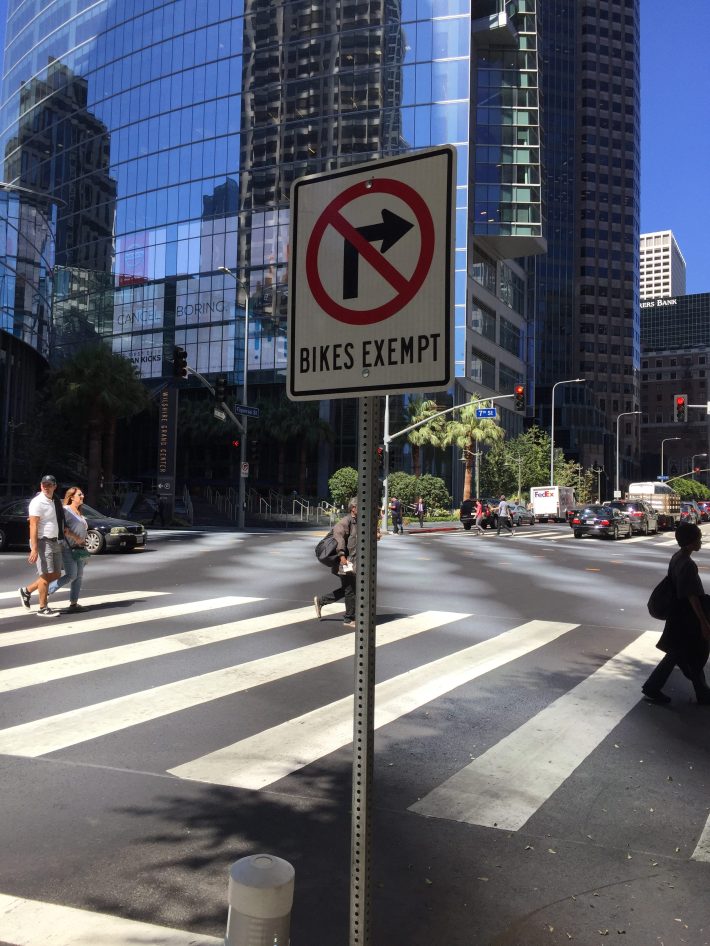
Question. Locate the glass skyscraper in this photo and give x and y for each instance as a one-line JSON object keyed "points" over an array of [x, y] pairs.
{"points": [[146, 144]]}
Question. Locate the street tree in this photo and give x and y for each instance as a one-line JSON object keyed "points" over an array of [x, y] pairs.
{"points": [[468, 433], [98, 387], [419, 409]]}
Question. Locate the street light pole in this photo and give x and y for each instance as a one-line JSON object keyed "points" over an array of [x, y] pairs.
{"points": [[599, 481], [692, 463], [617, 491], [552, 425], [665, 440], [241, 496]]}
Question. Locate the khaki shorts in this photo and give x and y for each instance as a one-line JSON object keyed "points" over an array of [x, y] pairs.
{"points": [[49, 556]]}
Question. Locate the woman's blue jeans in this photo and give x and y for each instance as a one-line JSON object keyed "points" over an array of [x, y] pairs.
{"points": [[73, 572]]}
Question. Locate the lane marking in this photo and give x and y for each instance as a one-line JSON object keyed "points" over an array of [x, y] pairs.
{"points": [[702, 850], [51, 629], [273, 754], [505, 786], [52, 733], [29, 922], [19, 611]]}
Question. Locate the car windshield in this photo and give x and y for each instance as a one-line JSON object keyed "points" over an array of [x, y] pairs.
{"points": [[87, 510], [595, 510]]}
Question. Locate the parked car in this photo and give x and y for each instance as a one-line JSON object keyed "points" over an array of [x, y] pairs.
{"points": [[644, 518], [521, 516], [467, 514], [600, 520], [704, 507], [105, 533], [690, 512]]}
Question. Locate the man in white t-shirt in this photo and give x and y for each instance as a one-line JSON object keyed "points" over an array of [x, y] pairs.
{"points": [[504, 516], [45, 547]]}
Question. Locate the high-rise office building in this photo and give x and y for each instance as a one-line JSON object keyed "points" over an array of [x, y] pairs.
{"points": [[201, 115], [586, 305], [662, 266]]}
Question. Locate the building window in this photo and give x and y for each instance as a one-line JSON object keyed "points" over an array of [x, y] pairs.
{"points": [[508, 378], [510, 337], [484, 272], [483, 321], [483, 369]]}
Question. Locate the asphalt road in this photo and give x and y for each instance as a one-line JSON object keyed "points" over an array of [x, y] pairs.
{"points": [[197, 711]]}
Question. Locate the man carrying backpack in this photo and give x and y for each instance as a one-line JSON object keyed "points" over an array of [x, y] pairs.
{"points": [[345, 535]]}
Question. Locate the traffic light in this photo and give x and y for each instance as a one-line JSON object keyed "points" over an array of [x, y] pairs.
{"points": [[179, 362], [253, 451], [220, 390], [236, 442], [519, 392], [681, 408], [380, 459]]}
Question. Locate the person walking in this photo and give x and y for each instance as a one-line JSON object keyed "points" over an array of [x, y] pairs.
{"points": [[345, 534], [158, 510], [504, 516], [396, 511], [685, 640], [479, 514], [46, 518], [74, 554], [420, 511]]}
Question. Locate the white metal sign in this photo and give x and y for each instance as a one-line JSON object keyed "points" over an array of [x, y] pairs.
{"points": [[371, 278], [244, 469]]}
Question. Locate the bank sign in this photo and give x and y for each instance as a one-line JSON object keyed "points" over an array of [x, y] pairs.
{"points": [[371, 278]]}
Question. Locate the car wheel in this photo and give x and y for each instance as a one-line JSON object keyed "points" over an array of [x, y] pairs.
{"points": [[95, 542], [615, 534], [3, 541], [644, 530], [467, 526], [577, 534]]}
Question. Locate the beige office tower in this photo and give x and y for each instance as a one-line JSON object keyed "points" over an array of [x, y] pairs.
{"points": [[662, 266]]}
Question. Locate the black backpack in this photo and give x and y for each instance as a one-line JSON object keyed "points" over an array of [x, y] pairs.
{"points": [[327, 550]]}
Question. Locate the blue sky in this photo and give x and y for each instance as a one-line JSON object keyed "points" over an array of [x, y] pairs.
{"points": [[675, 130]]}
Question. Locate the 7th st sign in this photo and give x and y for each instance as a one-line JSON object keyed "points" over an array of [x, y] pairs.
{"points": [[370, 278]]}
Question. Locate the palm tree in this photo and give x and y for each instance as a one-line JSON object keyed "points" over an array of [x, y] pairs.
{"points": [[98, 387], [467, 433], [419, 409]]}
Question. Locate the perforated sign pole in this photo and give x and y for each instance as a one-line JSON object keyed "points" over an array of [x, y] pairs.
{"points": [[364, 703]]}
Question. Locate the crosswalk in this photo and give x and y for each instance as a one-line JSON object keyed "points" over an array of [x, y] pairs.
{"points": [[503, 788]]}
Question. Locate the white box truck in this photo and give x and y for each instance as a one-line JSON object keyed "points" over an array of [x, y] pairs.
{"points": [[662, 498], [551, 502]]}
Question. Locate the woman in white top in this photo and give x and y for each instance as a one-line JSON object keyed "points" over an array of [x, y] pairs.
{"points": [[73, 565]]}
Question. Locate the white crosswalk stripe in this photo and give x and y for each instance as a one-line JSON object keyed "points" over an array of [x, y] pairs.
{"points": [[506, 785], [50, 630], [30, 922], [271, 755], [58, 605], [89, 722]]}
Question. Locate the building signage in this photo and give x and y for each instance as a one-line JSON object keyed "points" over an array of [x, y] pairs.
{"points": [[371, 278], [652, 303], [167, 437]]}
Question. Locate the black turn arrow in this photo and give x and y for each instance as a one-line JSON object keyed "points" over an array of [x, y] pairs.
{"points": [[389, 231]]}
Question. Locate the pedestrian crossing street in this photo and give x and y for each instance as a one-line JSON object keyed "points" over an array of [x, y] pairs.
{"points": [[503, 788]]}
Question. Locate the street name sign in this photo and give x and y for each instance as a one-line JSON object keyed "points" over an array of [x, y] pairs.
{"points": [[246, 411], [486, 412], [662, 477], [371, 278]]}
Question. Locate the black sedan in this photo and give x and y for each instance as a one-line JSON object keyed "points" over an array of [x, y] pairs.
{"points": [[600, 520], [104, 532], [644, 518]]}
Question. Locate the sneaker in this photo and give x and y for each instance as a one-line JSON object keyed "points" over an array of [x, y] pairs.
{"points": [[655, 696], [25, 598], [48, 613], [349, 624], [316, 605], [75, 606]]}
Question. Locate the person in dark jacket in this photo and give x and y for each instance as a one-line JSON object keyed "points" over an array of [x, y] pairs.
{"points": [[686, 636], [345, 533], [420, 511]]}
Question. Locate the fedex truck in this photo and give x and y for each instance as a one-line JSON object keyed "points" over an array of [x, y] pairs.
{"points": [[551, 502]]}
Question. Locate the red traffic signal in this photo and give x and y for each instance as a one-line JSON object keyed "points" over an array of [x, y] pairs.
{"points": [[235, 442], [681, 408], [519, 392]]}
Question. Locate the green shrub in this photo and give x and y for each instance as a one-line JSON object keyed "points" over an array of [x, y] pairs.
{"points": [[343, 485]]}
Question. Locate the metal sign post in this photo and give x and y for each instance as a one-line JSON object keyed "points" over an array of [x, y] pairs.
{"points": [[364, 708]]}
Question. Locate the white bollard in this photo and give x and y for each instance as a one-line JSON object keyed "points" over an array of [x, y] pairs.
{"points": [[260, 900]]}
